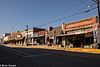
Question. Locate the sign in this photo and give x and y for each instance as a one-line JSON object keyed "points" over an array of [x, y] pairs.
{"points": [[35, 34], [76, 32], [79, 31], [81, 23], [95, 26], [95, 34], [18, 36], [30, 33]]}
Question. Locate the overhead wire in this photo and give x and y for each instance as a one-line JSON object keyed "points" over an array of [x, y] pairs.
{"points": [[59, 19], [74, 14], [83, 2]]}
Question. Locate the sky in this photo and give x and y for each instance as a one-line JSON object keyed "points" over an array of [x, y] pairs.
{"points": [[16, 14]]}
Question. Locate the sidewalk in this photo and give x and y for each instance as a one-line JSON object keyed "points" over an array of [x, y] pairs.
{"points": [[84, 50]]}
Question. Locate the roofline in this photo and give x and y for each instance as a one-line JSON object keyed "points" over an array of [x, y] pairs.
{"points": [[81, 20], [32, 28]]}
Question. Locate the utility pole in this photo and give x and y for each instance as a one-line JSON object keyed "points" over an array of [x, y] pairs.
{"points": [[98, 29], [98, 8], [27, 36], [98, 20]]}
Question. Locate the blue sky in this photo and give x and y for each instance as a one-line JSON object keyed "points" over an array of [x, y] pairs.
{"points": [[16, 14]]}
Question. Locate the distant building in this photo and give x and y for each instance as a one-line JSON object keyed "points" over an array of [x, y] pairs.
{"points": [[82, 33], [14, 38], [6, 34], [6, 37], [33, 35]]}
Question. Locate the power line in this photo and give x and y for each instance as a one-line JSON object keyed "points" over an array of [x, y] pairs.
{"points": [[67, 16], [87, 5], [83, 2]]}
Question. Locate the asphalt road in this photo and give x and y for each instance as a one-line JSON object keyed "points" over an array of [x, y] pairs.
{"points": [[34, 57]]}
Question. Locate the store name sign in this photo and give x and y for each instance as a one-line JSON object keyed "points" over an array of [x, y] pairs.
{"points": [[81, 23], [79, 31], [75, 32]]}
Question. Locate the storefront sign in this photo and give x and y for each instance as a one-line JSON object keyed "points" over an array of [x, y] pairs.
{"points": [[36, 35], [30, 33], [79, 31], [95, 34], [80, 23], [96, 26], [18, 36], [75, 32]]}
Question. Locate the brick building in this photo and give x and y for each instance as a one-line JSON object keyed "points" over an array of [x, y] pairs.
{"points": [[31, 35], [80, 33]]}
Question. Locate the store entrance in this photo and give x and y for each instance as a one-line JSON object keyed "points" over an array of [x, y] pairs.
{"points": [[80, 40]]}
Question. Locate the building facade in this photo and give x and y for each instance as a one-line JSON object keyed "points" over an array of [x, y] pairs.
{"points": [[80, 33], [39, 37], [32, 35], [14, 38], [52, 35]]}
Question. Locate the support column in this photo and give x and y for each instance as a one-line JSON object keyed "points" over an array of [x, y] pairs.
{"points": [[31, 41], [64, 41], [54, 40], [46, 38]]}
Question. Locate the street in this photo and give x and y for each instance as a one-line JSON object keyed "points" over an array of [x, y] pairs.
{"points": [[35, 57]]}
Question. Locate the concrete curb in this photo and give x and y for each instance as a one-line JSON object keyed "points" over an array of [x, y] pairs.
{"points": [[84, 50]]}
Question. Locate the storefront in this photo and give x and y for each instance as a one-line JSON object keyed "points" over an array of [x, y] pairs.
{"points": [[33, 35], [38, 38], [79, 33], [52, 36]]}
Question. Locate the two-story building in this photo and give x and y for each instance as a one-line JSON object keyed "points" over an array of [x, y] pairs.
{"points": [[32, 35]]}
